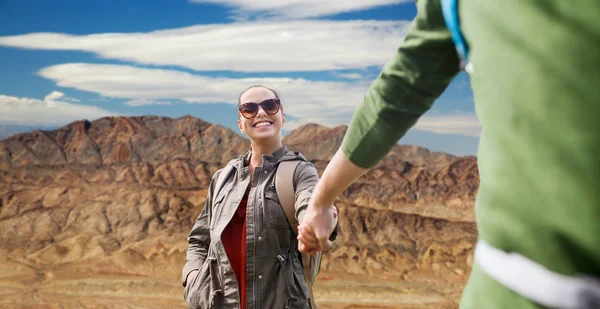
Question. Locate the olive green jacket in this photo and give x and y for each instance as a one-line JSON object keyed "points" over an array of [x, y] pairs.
{"points": [[536, 85]]}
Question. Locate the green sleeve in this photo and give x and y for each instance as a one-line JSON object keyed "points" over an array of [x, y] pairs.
{"points": [[422, 68]]}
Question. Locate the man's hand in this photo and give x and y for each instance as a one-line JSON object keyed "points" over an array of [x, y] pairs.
{"points": [[191, 276], [316, 227], [321, 216]]}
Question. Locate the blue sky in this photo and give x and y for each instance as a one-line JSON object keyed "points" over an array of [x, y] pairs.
{"points": [[66, 60]]}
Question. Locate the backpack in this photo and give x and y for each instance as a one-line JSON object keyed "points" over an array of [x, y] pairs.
{"points": [[284, 186]]}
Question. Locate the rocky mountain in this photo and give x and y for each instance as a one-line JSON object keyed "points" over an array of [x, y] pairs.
{"points": [[103, 208], [110, 141], [320, 143], [9, 130]]}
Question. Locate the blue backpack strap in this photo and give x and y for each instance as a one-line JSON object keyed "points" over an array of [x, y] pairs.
{"points": [[450, 11]]}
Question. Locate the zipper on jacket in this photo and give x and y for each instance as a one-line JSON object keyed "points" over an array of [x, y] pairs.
{"points": [[236, 280], [254, 283], [256, 194]]}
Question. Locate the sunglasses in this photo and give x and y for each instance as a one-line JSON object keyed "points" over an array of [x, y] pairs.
{"points": [[250, 109]]}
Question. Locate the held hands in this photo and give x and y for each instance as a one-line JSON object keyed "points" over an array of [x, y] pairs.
{"points": [[316, 227], [321, 216]]}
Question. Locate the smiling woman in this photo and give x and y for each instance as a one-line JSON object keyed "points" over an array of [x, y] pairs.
{"points": [[262, 121], [242, 250]]}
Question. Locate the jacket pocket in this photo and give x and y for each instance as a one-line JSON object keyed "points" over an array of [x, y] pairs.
{"points": [[299, 280], [208, 293], [296, 289], [191, 290], [192, 285], [216, 299], [274, 212]]}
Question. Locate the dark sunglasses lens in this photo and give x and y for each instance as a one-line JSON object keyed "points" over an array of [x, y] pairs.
{"points": [[271, 107], [249, 110]]}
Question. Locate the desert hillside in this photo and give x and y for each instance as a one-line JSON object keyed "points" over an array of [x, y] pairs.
{"points": [[96, 214]]}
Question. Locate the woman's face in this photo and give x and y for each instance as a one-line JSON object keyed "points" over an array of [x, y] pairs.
{"points": [[262, 127]]}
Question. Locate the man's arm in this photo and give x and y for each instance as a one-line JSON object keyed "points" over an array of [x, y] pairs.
{"points": [[322, 220], [422, 68], [424, 65]]}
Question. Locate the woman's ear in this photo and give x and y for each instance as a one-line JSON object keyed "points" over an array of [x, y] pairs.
{"points": [[241, 126]]}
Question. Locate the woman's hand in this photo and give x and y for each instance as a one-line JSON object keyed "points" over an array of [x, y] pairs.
{"points": [[191, 276]]}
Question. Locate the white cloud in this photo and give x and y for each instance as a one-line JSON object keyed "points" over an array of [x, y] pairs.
{"points": [[327, 103], [71, 99], [348, 75], [463, 124], [54, 95], [295, 9], [324, 102], [50, 111], [305, 45], [143, 102]]}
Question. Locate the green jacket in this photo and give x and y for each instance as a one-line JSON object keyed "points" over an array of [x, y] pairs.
{"points": [[270, 282], [536, 84]]}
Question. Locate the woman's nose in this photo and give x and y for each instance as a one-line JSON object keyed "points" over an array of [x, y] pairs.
{"points": [[260, 111]]}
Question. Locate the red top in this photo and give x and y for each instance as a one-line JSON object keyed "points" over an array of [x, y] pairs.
{"points": [[234, 241]]}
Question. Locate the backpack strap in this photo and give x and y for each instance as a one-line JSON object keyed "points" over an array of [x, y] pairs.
{"points": [[450, 12], [284, 185], [221, 180]]}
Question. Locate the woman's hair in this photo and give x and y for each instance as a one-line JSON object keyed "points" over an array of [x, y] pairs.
{"points": [[256, 86]]}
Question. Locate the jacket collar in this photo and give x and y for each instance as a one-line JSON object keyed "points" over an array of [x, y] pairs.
{"points": [[273, 158], [276, 156], [281, 154]]}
